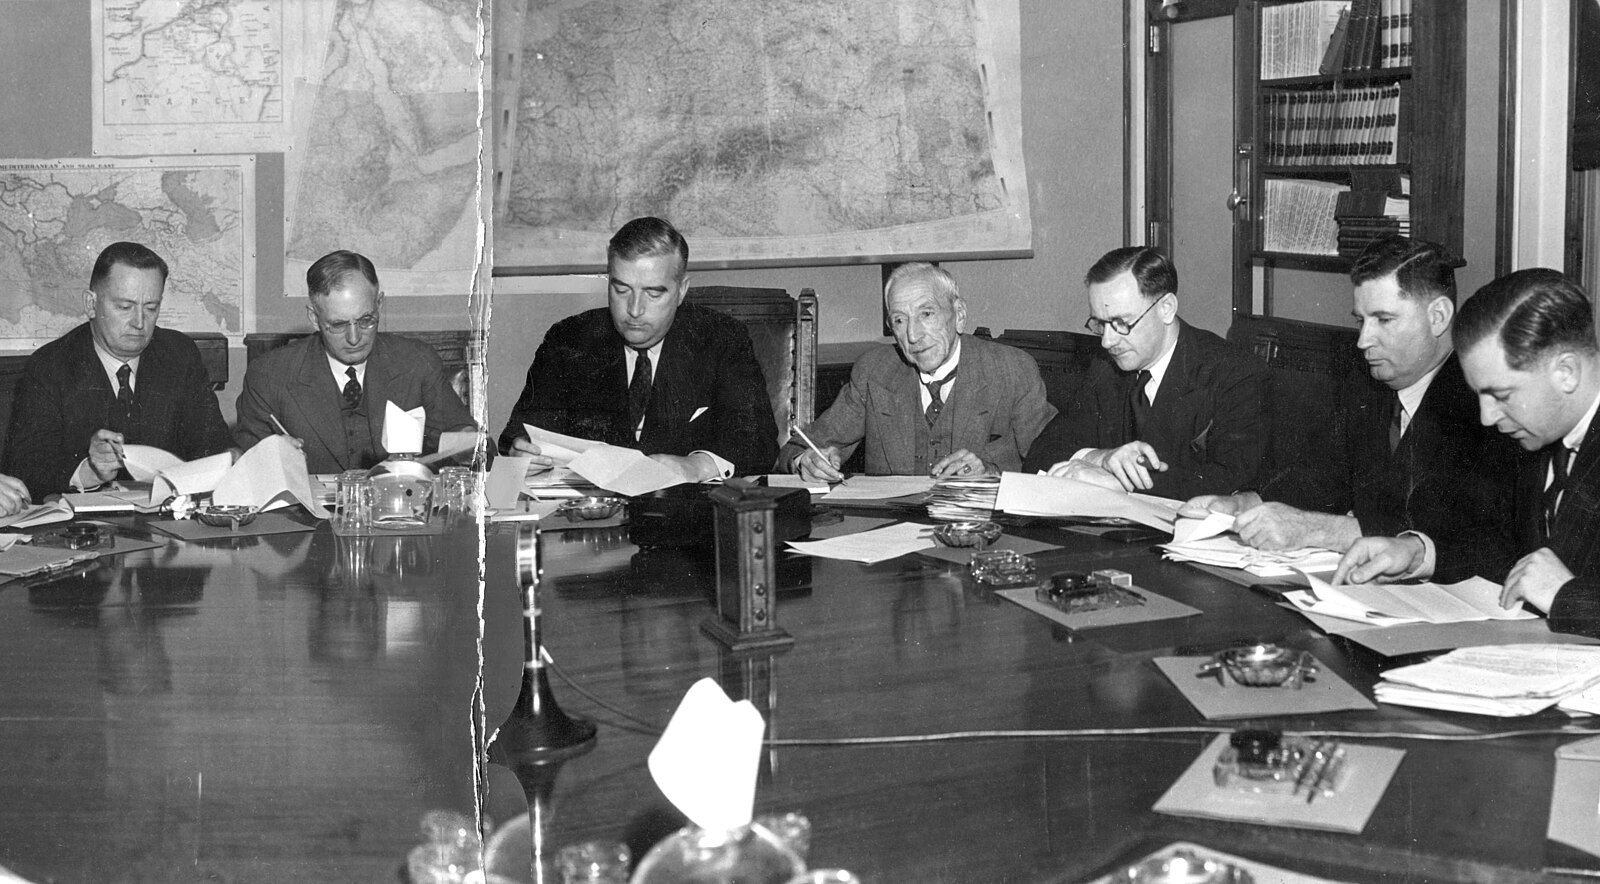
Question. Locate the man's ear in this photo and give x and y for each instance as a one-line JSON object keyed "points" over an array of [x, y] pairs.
{"points": [[1441, 311]]}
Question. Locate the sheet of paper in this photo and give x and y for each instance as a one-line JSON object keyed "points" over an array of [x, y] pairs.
{"points": [[878, 487], [625, 471], [1574, 799], [144, 461], [870, 547], [1186, 530], [1025, 495], [1155, 607], [1417, 638], [561, 447], [272, 472], [192, 477], [1367, 771], [39, 514], [790, 480], [1226, 551], [107, 501], [1506, 671], [706, 760], [22, 559], [402, 429], [1472, 599], [962, 555], [503, 485], [452, 443]]}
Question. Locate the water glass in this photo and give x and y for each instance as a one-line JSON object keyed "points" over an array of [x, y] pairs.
{"points": [[594, 862], [457, 489], [353, 502]]}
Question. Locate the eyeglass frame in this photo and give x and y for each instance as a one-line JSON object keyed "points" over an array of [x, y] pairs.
{"points": [[1117, 324], [364, 322]]}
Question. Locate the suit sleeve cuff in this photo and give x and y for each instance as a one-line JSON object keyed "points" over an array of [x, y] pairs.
{"points": [[1430, 557], [84, 478]]}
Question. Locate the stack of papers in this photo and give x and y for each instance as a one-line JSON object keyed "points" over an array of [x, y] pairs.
{"points": [[1469, 600], [40, 514], [963, 500], [624, 471], [1499, 680], [870, 547], [1025, 495], [1227, 552]]}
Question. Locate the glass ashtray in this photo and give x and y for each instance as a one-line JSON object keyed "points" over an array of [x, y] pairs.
{"points": [[1182, 867], [1261, 666], [1266, 761], [230, 517], [590, 509], [1078, 593], [1002, 567], [967, 534], [78, 535]]}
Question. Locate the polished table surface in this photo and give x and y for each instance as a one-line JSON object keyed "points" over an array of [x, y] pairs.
{"points": [[286, 708]]}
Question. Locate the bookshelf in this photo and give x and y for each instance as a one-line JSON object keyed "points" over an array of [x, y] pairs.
{"points": [[1358, 126]]}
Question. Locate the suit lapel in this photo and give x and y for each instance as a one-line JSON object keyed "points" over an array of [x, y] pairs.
{"points": [[318, 401], [969, 413]]}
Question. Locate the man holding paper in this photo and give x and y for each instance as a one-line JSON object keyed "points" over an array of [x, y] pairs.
{"points": [[331, 390], [678, 381], [1176, 411], [1406, 452], [937, 403], [1529, 354], [116, 380]]}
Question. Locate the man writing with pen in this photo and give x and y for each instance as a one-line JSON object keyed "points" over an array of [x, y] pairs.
{"points": [[936, 403], [115, 380]]}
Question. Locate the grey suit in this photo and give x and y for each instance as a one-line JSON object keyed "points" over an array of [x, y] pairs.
{"points": [[996, 408], [294, 383]]}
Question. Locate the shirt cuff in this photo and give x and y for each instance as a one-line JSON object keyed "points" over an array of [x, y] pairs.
{"points": [[1080, 454], [84, 478], [724, 468], [1430, 557]]}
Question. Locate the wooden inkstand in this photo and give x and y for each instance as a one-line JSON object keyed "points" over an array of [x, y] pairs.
{"points": [[751, 523]]}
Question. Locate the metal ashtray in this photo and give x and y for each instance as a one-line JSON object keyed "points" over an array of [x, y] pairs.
{"points": [[978, 534], [590, 509], [1261, 666], [1182, 867], [230, 517]]}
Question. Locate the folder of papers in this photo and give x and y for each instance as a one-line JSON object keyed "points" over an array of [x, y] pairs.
{"points": [[1499, 680], [40, 514], [1469, 600], [1025, 495], [1225, 551]]}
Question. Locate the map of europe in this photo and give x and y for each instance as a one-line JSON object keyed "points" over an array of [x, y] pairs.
{"points": [[56, 216], [757, 125]]}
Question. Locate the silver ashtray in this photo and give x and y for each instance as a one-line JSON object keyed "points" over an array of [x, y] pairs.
{"points": [[590, 509], [964, 534], [230, 517], [1261, 666]]}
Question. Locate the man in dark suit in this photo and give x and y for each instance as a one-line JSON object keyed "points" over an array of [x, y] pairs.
{"points": [[1177, 411], [1528, 351], [115, 380], [677, 381], [1406, 451], [990, 399], [329, 389]]}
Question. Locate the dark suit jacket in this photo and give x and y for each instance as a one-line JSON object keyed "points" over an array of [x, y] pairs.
{"points": [[294, 383], [1575, 538], [64, 397], [1207, 424], [1450, 478], [997, 406], [578, 385]]}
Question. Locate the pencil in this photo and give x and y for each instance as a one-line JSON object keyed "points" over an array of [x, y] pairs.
{"points": [[278, 424], [811, 445]]}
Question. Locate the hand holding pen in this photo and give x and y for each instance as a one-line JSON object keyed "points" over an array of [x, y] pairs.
{"points": [[105, 454], [285, 433], [818, 464]]}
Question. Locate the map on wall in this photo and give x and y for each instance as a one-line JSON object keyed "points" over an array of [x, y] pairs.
{"points": [[177, 78], [386, 148], [770, 133], [57, 215]]}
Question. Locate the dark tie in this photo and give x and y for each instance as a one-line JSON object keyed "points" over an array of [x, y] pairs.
{"points": [[1138, 404], [1395, 426], [352, 390], [1558, 482], [935, 401], [123, 415], [639, 389]]}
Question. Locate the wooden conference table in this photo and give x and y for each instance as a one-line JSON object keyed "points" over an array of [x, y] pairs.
{"points": [[286, 708]]}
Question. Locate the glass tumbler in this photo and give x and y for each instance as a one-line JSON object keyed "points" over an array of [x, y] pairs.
{"points": [[353, 502]]}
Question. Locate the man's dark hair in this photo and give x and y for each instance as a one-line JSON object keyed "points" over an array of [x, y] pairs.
{"points": [[648, 237], [1422, 269], [128, 254], [332, 268], [1532, 313], [1152, 270]]}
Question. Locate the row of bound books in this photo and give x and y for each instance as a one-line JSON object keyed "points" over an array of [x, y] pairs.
{"points": [[1326, 37], [1325, 127], [1366, 215], [1298, 216]]}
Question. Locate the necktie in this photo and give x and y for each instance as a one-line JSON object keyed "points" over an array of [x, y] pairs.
{"points": [[1558, 480], [935, 401], [1396, 425], [639, 389], [123, 412], [352, 390], [1138, 404]]}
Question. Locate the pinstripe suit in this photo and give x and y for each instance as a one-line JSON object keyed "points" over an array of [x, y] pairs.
{"points": [[1575, 536]]}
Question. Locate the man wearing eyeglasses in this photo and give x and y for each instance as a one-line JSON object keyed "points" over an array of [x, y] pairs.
{"points": [[1176, 411], [328, 390]]}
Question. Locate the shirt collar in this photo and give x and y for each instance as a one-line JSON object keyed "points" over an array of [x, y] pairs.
{"points": [[1411, 397], [338, 368], [1158, 369], [632, 357], [943, 372], [111, 363]]}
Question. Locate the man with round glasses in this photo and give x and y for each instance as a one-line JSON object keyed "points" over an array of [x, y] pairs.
{"points": [[328, 389], [1176, 411]]}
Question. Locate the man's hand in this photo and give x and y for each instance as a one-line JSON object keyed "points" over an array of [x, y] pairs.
{"points": [[522, 446], [695, 467], [812, 468], [14, 496], [1280, 526], [1227, 504], [1380, 560], [105, 454], [961, 464], [1535, 579], [1130, 463], [1083, 471]]}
